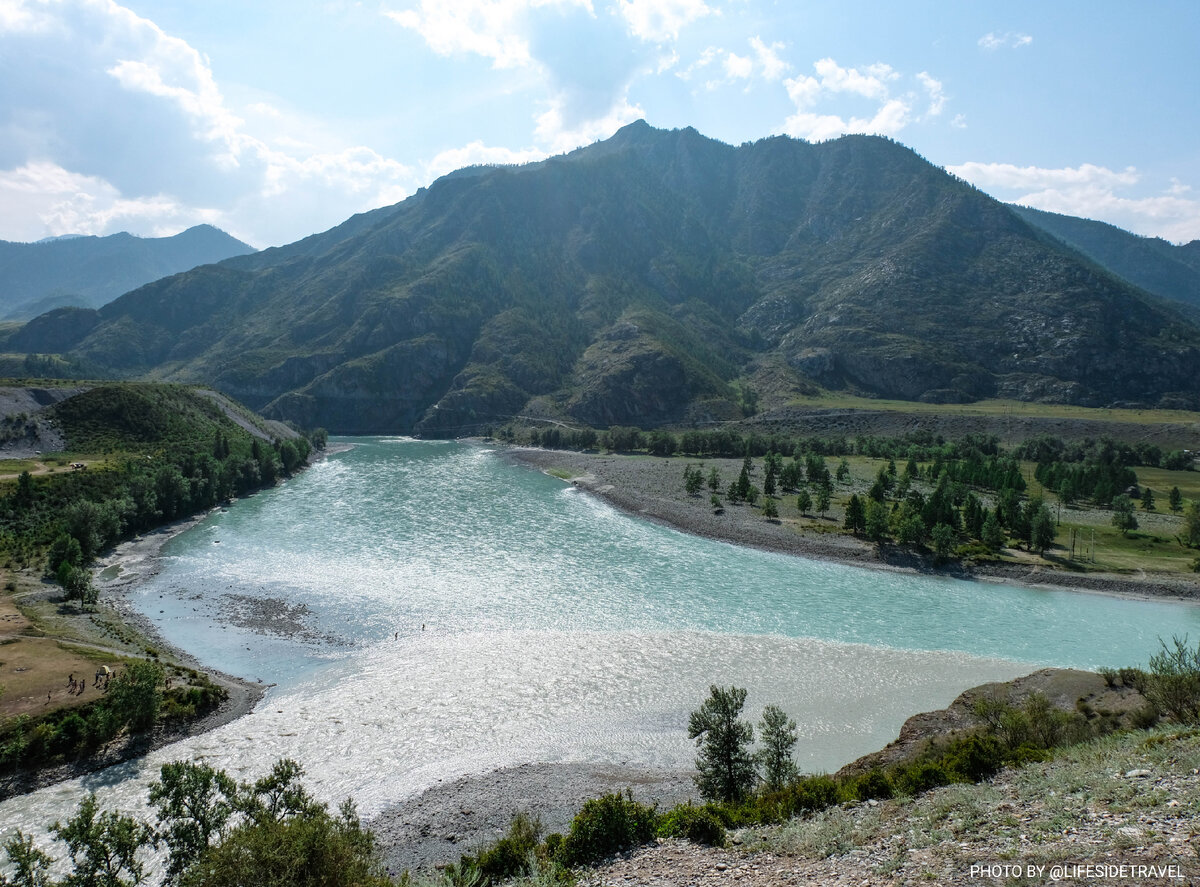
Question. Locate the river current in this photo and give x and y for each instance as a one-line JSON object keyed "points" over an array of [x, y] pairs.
{"points": [[427, 610]]}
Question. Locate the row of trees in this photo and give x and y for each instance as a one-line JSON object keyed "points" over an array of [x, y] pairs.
{"points": [[216, 833]]}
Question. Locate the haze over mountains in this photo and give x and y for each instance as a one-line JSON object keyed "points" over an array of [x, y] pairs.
{"points": [[90, 271], [651, 278]]}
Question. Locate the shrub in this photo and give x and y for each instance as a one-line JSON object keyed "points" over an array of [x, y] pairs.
{"points": [[513, 854], [809, 794], [700, 825], [872, 784], [607, 825], [1173, 685]]}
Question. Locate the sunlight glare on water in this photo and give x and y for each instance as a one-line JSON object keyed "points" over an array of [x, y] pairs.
{"points": [[428, 610]]}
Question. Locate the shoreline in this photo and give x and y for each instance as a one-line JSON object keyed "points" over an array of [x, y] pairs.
{"points": [[138, 560], [600, 475]]}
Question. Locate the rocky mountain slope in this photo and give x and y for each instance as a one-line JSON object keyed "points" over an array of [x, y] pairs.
{"points": [[1152, 263], [90, 271], [656, 277]]}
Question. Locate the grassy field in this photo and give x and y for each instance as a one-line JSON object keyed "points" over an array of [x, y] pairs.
{"points": [[999, 408]]}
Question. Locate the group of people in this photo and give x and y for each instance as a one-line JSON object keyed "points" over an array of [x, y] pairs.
{"points": [[76, 686]]}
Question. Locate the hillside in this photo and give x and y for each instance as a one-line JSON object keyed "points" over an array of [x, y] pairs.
{"points": [[654, 278], [88, 272], [1159, 267]]}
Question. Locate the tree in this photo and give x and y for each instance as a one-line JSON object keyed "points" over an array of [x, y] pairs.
{"points": [[23, 497], [194, 804], [104, 847], [769, 480], [725, 764], [770, 510], [31, 865], [714, 479], [856, 519], [752, 494], [875, 520], [1191, 525], [1147, 499], [693, 480], [943, 537], [1123, 517], [1173, 685], [1176, 500], [1042, 530], [135, 695], [804, 501], [843, 471], [822, 499], [992, 534], [775, 757]]}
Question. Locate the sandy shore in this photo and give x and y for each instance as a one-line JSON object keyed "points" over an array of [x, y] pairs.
{"points": [[651, 488]]}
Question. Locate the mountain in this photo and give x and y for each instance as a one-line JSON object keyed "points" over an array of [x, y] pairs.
{"points": [[1159, 267], [656, 277], [90, 271]]}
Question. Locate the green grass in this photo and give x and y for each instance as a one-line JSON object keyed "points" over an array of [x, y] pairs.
{"points": [[834, 400]]}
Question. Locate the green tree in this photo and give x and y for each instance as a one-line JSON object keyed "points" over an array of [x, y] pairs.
{"points": [[31, 865], [804, 501], [821, 501], [943, 538], [725, 765], [770, 510], [752, 494], [778, 734], [194, 803], [135, 695], [105, 847], [1123, 517], [693, 480], [875, 521], [856, 518], [992, 534], [1042, 530], [714, 479], [1176, 500], [843, 471], [23, 497], [1191, 525], [1147, 499], [64, 550]]}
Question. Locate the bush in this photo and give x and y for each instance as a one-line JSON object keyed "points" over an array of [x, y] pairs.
{"points": [[810, 794], [1173, 685], [700, 825], [872, 784], [513, 854], [607, 825]]}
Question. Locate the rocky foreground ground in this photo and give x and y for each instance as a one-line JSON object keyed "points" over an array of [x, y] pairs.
{"points": [[1121, 811]]}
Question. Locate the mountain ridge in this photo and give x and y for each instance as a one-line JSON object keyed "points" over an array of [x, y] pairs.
{"points": [[652, 278], [88, 271]]}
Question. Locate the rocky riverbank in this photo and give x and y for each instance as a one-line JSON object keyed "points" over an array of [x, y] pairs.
{"points": [[652, 488]]}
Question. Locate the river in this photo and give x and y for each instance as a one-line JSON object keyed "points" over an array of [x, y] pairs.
{"points": [[427, 610]]}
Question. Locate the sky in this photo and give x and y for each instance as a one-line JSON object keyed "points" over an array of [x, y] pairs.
{"points": [[275, 119]]}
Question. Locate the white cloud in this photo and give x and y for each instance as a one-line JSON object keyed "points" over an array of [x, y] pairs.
{"points": [[47, 200], [890, 115], [555, 131], [1009, 40], [771, 66], [738, 67], [1092, 192], [959, 121], [937, 96], [93, 74], [479, 153], [1007, 175], [494, 29], [660, 21]]}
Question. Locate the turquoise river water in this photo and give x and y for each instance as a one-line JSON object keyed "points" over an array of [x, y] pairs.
{"points": [[427, 610]]}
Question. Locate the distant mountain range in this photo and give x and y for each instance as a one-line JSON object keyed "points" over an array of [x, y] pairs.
{"points": [[88, 272], [1152, 263], [656, 277]]}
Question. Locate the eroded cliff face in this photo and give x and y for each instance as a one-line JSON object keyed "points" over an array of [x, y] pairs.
{"points": [[642, 281]]}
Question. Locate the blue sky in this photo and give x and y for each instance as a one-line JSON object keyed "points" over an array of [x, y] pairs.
{"points": [[273, 119]]}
